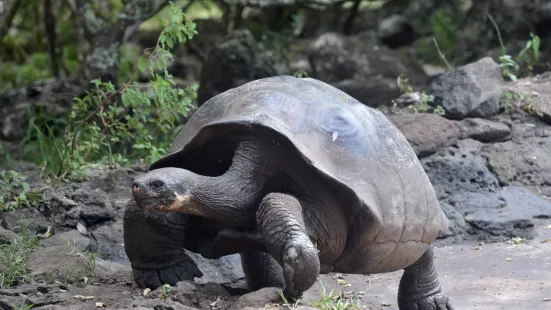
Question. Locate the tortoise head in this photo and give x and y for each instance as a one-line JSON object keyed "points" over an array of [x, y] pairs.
{"points": [[165, 190]]}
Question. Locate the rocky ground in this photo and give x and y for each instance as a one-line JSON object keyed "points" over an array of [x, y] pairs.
{"points": [[488, 158]]}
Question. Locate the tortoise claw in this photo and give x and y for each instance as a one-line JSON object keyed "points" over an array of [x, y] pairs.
{"points": [[437, 301]]}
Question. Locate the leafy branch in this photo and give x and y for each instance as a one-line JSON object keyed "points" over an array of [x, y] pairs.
{"points": [[145, 117]]}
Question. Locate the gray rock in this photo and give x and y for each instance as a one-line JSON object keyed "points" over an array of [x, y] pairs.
{"points": [[471, 202], [531, 205], [528, 128], [492, 217], [426, 140], [67, 264], [395, 31], [223, 270], [34, 220], [457, 225], [155, 304], [6, 236], [460, 169], [81, 204], [364, 69], [240, 58], [532, 94], [71, 237], [62, 262], [258, 299], [202, 297], [523, 162], [483, 130], [473, 90], [108, 241], [117, 184]]}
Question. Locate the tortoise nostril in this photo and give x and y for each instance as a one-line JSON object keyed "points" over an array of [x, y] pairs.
{"points": [[156, 184]]}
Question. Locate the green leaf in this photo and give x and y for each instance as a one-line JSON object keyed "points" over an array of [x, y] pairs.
{"points": [[142, 64]]}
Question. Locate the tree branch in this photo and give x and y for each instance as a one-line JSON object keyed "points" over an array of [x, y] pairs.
{"points": [[49, 24], [5, 24], [351, 17], [104, 37]]}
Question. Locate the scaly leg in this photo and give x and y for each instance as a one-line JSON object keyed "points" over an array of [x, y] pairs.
{"points": [[154, 243], [420, 288], [261, 270], [283, 230]]}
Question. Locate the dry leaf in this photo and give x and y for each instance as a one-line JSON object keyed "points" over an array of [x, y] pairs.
{"points": [[146, 292], [48, 232]]}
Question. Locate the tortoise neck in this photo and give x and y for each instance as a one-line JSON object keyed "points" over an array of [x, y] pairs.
{"points": [[234, 194]]}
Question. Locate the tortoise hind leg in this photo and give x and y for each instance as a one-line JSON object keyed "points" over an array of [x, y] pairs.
{"points": [[282, 227], [420, 288]]}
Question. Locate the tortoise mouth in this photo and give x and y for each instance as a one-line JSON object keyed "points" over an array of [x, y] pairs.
{"points": [[149, 203]]}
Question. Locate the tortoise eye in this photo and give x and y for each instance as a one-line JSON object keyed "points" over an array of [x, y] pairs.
{"points": [[156, 185]]}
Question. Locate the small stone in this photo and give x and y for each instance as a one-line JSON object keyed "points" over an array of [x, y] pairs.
{"points": [[6, 236], [259, 298]]}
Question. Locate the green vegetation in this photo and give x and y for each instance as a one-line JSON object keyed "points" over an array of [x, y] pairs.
{"points": [[15, 193], [342, 300], [528, 101], [104, 119], [14, 256], [529, 55], [103, 125], [426, 102]]}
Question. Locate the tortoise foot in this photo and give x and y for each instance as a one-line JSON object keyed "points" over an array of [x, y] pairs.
{"points": [[420, 288], [156, 277], [437, 301], [301, 267], [282, 228]]}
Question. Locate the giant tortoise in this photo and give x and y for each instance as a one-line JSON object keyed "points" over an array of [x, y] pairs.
{"points": [[300, 179]]}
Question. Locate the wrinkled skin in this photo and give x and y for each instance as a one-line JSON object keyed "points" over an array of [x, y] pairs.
{"points": [[262, 213], [154, 243], [419, 286]]}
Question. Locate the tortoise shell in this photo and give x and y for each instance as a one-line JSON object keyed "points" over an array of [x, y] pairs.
{"points": [[396, 214]]}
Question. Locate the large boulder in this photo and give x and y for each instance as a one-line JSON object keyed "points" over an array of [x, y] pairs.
{"points": [[460, 168], [233, 62], [426, 140], [361, 67], [473, 90], [472, 199], [523, 162]]}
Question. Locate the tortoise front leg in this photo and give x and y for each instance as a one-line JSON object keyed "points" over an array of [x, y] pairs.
{"points": [[261, 270], [282, 227], [420, 288], [154, 244]]}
